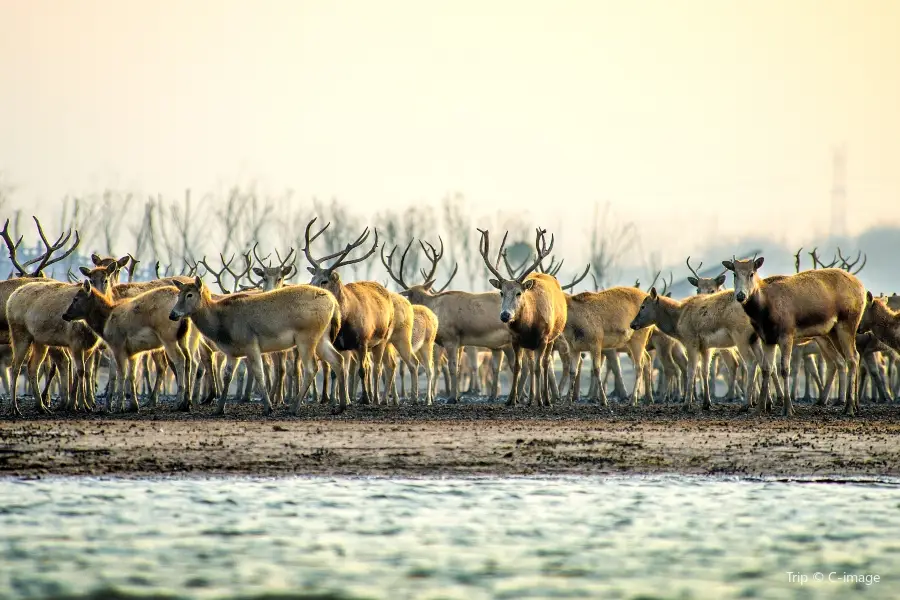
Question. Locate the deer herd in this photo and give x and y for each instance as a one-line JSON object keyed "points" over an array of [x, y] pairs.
{"points": [[820, 321]]}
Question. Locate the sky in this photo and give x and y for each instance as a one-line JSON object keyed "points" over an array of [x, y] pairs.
{"points": [[694, 118]]}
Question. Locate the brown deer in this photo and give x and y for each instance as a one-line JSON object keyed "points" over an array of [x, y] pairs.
{"points": [[249, 325], [533, 306], [34, 313], [704, 285], [826, 303], [367, 309], [134, 326]]}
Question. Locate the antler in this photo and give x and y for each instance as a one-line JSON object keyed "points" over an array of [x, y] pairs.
{"points": [[667, 284], [132, 267], [691, 269], [848, 266], [484, 247], [543, 251], [12, 248], [341, 255], [226, 268], [818, 262], [513, 271], [554, 267], [389, 263], [652, 283], [283, 263], [261, 261], [434, 257], [63, 239], [578, 279], [797, 260], [310, 240]]}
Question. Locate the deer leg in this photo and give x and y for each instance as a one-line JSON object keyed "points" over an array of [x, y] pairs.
{"points": [[811, 373], [404, 348], [426, 359], [708, 377], [231, 364], [254, 360], [844, 337], [452, 352], [512, 399]]}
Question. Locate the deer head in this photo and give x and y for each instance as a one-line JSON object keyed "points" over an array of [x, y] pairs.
{"points": [[512, 290]]}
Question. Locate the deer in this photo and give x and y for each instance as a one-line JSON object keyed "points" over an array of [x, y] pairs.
{"points": [[424, 333], [250, 325], [134, 326], [825, 303], [464, 318], [711, 285], [533, 307], [559, 345], [367, 310], [34, 313], [54, 252], [701, 323]]}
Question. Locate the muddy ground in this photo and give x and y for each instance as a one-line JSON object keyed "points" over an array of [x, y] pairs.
{"points": [[473, 438]]}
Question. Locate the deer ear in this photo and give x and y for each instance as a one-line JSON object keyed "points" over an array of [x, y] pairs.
{"points": [[693, 281], [758, 263], [123, 261], [112, 267], [494, 283], [86, 285], [334, 276], [311, 270], [198, 282], [286, 271], [95, 258], [427, 285], [869, 297], [720, 280], [258, 271], [653, 294], [85, 271], [178, 284], [528, 284], [728, 265]]}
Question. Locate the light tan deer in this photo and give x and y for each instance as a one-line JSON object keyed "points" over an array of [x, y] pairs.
{"points": [[424, 332], [533, 306], [826, 303], [134, 326], [367, 309], [250, 325]]}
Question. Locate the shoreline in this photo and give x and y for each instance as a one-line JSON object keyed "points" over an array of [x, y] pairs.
{"points": [[464, 440]]}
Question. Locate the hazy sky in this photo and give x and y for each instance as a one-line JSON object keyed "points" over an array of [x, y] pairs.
{"points": [[702, 116]]}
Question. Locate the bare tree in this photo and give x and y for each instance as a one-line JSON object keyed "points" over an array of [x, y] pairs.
{"points": [[610, 240], [460, 232]]}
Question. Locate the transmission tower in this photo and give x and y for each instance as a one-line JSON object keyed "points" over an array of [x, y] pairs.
{"points": [[839, 192]]}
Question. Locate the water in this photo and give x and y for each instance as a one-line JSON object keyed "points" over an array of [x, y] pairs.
{"points": [[619, 537]]}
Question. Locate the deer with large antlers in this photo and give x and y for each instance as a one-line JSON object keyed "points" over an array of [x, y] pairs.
{"points": [[533, 306], [367, 310], [826, 303], [464, 318]]}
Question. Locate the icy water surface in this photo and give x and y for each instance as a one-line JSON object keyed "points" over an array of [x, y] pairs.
{"points": [[620, 537]]}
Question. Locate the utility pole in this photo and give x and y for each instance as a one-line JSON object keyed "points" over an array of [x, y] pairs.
{"points": [[839, 192]]}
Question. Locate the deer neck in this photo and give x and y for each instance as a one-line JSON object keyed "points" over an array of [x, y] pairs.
{"points": [[669, 311], [887, 326], [98, 314]]}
